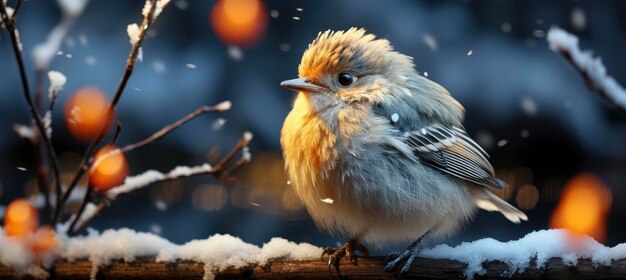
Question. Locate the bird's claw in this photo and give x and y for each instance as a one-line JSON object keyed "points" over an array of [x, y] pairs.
{"points": [[347, 250], [409, 255]]}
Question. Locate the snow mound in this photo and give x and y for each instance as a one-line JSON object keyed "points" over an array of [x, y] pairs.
{"points": [[219, 252], [124, 244], [517, 254]]}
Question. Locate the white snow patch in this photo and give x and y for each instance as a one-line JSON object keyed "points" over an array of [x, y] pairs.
{"points": [[13, 253], [123, 244], [72, 7], [430, 41], [47, 123], [158, 67], [219, 252], [151, 176], [133, 33], [224, 105], [24, 131], [247, 135], [562, 41], [19, 41], [91, 60], [529, 106], [161, 205], [517, 254], [57, 81], [395, 117], [157, 11], [218, 124], [140, 54], [502, 143], [246, 155], [181, 4], [235, 53], [89, 212]]}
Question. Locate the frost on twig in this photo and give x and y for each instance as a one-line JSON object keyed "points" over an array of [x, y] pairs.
{"points": [[160, 5], [592, 69], [47, 123], [133, 33], [57, 81]]}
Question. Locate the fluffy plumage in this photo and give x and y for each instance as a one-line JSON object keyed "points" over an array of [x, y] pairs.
{"points": [[391, 179]]}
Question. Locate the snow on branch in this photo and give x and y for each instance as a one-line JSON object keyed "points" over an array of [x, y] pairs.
{"points": [[46, 51], [129, 254], [591, 68], [152, 176]]}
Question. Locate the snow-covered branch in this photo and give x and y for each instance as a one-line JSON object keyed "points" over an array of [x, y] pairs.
{"points": [[129, 254], [220, 171], [591, 68]]}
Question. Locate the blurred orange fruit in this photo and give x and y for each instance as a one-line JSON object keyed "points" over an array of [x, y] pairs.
{"points": [[109, 169], [20, 218], [583, 207], [86, 113], [239, 22]]}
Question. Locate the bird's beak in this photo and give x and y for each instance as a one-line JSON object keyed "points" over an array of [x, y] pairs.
{"points": [[302, 84]]}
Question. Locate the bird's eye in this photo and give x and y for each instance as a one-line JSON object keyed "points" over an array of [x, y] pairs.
{"points": [[345, 79]]}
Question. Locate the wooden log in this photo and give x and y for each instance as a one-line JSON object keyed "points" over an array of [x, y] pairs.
{"points": [[367, 268]]}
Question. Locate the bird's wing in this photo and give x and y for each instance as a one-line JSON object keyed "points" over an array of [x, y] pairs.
{"points": [[452, 151]]}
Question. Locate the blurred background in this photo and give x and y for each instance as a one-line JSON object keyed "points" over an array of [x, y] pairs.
{"points": [[547, 135]]}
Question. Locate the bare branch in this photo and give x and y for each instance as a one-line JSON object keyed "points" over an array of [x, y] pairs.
{"points": [[118, 130], [86, 161], [591, 69], [9, 24], [171, 127]]}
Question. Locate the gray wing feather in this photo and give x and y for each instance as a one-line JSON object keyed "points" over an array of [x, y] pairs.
{"points": [[452, 151]]}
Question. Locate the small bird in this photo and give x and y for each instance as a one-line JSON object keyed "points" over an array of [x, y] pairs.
{"points": [[378, 153]]}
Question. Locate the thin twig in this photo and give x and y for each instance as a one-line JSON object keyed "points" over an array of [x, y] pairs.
{"points": [[171, 127], [9, 24], [16, 10], [86, 161], [81, 209], [118, 130], [218, 172]]}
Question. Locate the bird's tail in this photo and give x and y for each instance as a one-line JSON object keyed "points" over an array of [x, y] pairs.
{"points": [[488, 201]]}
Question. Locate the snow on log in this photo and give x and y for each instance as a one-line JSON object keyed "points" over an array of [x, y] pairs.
{"points": [[125, 253]]}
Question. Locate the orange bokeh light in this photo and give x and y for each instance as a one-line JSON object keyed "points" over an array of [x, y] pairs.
{"points": [[583, 207], [45, 240], [20, 218], [239, 22], [86, 112], [109, 170]]}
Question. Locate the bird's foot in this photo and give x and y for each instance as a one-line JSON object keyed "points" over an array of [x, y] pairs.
{"points": [[347, 250], [409, 255]]}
